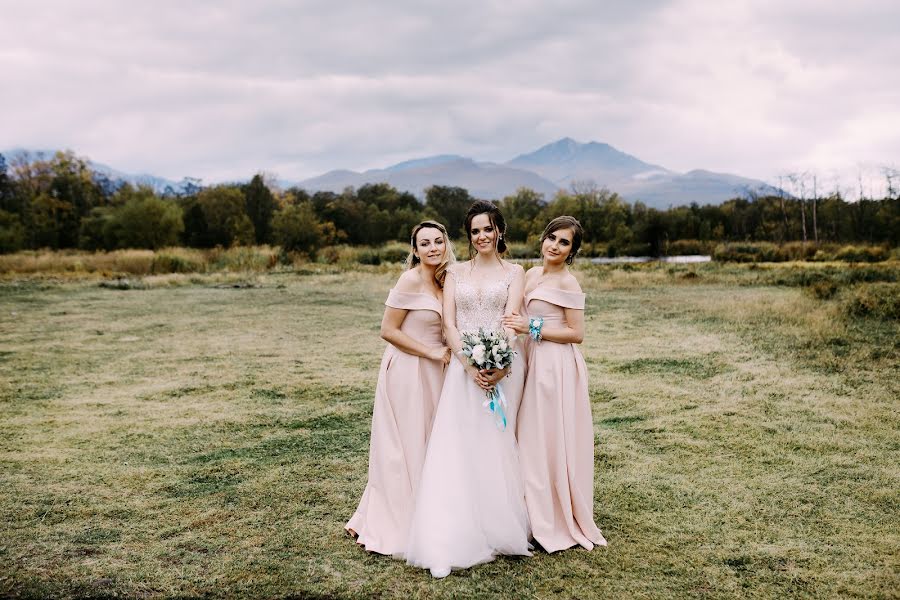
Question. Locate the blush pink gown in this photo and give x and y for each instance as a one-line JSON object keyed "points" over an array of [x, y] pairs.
{"points": [[406, 397], [556, 432]]}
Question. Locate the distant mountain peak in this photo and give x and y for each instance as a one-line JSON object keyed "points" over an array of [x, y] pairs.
{"points": [[566, 160], [428, 161], [559, 150]]}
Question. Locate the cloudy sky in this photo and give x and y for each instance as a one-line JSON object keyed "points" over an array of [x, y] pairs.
{"points": [[222, 89]]}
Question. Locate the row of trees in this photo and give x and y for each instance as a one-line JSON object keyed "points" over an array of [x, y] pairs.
{"points": [[63, 203]]}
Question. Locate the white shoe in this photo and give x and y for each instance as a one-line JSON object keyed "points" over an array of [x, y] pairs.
{"points": [[440, 573]]}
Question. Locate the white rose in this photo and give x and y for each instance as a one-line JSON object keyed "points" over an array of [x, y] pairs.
{"points": [[503, 346], [478, 354]]}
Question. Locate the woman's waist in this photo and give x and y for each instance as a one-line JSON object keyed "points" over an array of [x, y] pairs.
{"points": [[430, 336], [533, 347], [435, 341]]}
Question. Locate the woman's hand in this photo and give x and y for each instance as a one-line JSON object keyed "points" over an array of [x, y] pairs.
{"points": [[516, 322], [493, 376], [441, 354], [479, 377]]}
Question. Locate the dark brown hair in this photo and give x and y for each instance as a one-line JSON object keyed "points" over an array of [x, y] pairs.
{"points": [[483, 207], [566, 222], [440, 273]]}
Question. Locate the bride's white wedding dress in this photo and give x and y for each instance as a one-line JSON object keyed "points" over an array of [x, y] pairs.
{"points": [[470, 505]]}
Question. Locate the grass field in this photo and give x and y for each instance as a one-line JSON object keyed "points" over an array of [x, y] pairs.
{"points": [[207, 435]]}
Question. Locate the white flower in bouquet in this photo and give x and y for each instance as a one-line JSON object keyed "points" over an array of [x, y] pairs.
{"points": [[478, 354]]}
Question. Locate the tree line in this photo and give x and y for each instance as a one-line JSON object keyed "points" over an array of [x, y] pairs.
{"points": [[62, 203]]}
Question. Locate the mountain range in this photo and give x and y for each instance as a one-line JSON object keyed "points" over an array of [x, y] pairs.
{"points": [[159, 184], [556, 166], [553, 167]]}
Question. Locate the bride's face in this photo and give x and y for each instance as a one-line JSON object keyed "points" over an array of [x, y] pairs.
{"points": [[483, 234]]}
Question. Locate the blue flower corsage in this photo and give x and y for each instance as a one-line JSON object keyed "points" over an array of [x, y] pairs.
{"points": [[534, 328]]}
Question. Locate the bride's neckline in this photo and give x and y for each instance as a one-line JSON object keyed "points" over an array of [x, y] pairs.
{"points": [[483, 282]]}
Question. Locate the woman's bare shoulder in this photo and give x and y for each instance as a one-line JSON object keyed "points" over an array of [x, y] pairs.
{"points": [[410, 282], [535, 271], [514, 268], [570, 283]]}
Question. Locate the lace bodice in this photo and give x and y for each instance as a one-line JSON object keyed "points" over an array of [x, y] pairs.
{"points": [[479, 305]]}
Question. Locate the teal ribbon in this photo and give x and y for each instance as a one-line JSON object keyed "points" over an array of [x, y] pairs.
{"points": [[495, 403]]}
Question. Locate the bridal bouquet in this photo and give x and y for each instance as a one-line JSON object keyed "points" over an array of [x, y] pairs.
{"points": [[488, 349]]}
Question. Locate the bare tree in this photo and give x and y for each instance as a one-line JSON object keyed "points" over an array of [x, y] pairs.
{"points": [[859, 181], [584, 187], [891, 174], [815, 201], [802, 179], [783, 210]]}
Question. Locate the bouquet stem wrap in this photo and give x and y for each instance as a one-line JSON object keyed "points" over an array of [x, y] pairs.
{"points": [[496, 403]]}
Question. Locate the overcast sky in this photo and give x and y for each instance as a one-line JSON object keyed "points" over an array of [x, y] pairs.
{"points": [[223, 89]]}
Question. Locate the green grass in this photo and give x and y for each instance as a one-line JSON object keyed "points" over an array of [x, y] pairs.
{"points": [[188, 438]]}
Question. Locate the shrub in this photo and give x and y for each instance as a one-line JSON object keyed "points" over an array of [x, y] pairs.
{"points": [[630, 250], [136, 262], [760, 252], [823, 290], [686, 247], [222, 209], [862, 254], [368, 256], [340, 254], [394, 252], [12, 232], [297, 229], [146, 221], [520, 250], [176, 262], [243, 258], [875, 300], [592, 250]]}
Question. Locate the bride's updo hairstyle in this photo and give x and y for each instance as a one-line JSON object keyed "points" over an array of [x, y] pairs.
{"points": [[566, 222], [440, 273], [483, 207]]}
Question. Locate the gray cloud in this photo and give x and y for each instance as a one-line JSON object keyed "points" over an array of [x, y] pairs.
{"points": [[219, 90]]}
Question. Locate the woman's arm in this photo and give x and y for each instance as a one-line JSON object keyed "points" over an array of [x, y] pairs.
{"points": [[393, 320], [391, 333], [573, 333], [515, 320], [514, 299], [451, 333]]}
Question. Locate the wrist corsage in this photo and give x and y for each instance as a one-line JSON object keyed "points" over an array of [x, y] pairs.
{"points": [[534, 328]]}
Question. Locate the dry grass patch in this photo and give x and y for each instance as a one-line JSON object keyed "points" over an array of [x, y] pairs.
{"points": [[203, 437]]}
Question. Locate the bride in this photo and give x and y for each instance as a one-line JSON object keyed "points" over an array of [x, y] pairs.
{"points": [[470, 504]]}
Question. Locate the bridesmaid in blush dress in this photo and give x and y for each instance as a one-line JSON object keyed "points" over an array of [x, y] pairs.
{"points": [[406, 395], [555, 429]]}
